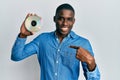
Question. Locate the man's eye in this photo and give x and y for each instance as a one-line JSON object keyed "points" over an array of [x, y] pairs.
{"points": [[60, 18], [70, 19], [65, 19]]}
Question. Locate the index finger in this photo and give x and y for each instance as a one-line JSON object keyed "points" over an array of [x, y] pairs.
{"points": [[75, 47]]}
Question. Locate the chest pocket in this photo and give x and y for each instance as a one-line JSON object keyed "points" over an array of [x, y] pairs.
{"points": [[69, 58]]}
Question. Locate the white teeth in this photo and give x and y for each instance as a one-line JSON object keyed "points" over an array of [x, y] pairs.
{"points": [[64, 28]]}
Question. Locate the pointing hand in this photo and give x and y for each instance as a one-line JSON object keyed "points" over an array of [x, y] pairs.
{"points": [[84, 56]]}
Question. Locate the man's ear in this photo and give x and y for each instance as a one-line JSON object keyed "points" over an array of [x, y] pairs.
{"points": [[54, 18]]}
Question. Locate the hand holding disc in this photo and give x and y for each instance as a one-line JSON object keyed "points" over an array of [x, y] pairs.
{"points": [[33, 23]]}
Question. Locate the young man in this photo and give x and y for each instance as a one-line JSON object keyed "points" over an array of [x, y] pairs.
{"points": [[59, 52]]}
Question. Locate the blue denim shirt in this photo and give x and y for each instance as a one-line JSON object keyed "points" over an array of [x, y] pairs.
{"points": [[57, 60]]}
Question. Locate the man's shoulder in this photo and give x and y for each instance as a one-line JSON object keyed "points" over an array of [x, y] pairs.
{"points": [[79, 37], [82, 41], [45, 35], [83, 38]]}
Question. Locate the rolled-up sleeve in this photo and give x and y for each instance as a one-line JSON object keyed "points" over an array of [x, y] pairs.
{"points": [[93, 75]]}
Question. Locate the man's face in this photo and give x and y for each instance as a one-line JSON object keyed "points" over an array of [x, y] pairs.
{"points": [[64, 21]]}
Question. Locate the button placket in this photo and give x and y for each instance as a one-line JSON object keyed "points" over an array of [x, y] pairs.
{"points": [[56, 62]]}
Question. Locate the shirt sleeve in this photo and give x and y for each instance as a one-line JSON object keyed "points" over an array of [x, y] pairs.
{"points": [[90, 75], [21, 50]]}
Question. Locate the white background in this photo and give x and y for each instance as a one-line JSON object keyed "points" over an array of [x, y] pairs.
{"points": [[97, 20]]}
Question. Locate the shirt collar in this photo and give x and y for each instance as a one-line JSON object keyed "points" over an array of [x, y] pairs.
{"points": [[71, 34]]}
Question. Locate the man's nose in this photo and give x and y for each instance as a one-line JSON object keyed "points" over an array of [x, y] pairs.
{"points": [[65, 22]]}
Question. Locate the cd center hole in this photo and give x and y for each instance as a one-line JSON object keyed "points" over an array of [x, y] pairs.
{"points": [[33, 23]]}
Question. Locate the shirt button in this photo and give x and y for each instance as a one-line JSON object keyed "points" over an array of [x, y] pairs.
{"points": [[56, 61], [58, 50], [57, 39], [55, 74]]}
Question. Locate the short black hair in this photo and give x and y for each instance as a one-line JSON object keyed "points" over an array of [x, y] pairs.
{"points": [[64, 6]]}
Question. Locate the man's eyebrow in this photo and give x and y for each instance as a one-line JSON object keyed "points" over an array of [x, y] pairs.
{"points": [[64, 17]]}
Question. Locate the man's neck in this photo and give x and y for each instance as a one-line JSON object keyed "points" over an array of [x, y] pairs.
{"points": [[60, 36]]}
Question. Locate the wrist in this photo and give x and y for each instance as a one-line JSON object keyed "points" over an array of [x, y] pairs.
{"points": [[22, 35], [91, 65]]}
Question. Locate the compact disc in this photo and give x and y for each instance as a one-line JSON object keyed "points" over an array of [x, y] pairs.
{"points": [[33, 23]]}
